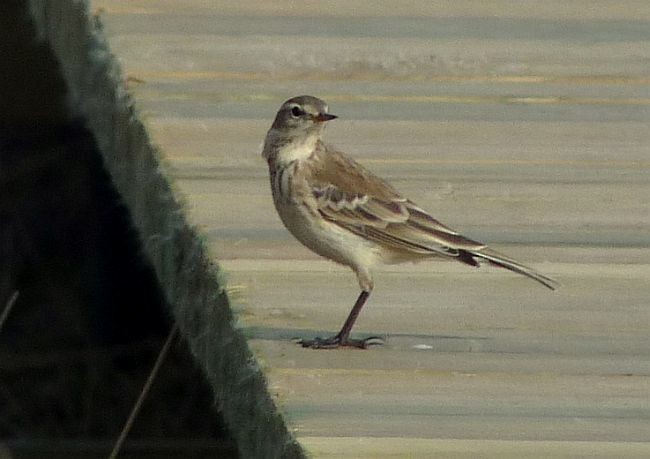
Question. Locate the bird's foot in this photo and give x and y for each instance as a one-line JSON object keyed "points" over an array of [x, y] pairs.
{"points": [[335, 342]]}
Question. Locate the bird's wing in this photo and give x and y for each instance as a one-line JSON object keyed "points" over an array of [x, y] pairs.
{"points": [[352, 197]]}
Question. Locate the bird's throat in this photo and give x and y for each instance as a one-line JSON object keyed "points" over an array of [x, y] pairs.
{"points": [[284, 149]]}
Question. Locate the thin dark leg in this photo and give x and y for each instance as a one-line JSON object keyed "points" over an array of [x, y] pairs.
{"points": [[344, 334], [343, 337]]}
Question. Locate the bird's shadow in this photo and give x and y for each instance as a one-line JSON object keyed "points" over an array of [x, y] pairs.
{"points": [[293, 334]]}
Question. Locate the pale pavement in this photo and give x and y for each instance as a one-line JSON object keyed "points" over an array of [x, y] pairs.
{"points": [[523, 127]]}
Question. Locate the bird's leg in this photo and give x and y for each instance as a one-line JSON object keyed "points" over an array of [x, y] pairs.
{"points": [[344, 335], [342, 338]]}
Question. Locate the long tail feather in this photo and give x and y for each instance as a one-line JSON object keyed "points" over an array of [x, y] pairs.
{"points": [[512, 265]]}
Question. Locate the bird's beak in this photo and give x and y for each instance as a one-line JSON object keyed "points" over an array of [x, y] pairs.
{"points": [[322, 117]]}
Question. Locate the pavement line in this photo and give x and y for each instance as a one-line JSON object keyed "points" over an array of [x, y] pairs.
{"points": [[517, 79], [519, 162]]}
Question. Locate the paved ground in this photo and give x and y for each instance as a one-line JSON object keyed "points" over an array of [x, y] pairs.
{"points": [[522, 125]]}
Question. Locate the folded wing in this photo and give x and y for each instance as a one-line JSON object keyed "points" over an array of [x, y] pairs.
{"points": [[352, 197]]}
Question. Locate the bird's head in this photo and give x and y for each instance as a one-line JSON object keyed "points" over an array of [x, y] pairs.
{"points": [[302, 115]]}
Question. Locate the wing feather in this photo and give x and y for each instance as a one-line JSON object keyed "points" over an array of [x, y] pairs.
{"points": [[354, 198], [351, 196]]}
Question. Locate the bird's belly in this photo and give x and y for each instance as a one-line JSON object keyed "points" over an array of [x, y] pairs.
{"points": [[328, 239]]}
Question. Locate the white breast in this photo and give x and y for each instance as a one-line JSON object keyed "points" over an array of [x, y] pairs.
{"points": [[285, 152]]}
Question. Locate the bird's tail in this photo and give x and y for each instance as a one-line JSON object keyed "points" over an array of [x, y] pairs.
{"points": [[503, 261]]}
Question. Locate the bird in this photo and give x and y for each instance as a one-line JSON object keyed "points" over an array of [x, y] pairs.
{"points": [[343, 212]]}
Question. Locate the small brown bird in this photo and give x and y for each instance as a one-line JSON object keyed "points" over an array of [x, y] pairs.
{"points": [[344, 212]]}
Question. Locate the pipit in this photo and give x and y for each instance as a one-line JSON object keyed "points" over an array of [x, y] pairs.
{"points": [[344, 212]]}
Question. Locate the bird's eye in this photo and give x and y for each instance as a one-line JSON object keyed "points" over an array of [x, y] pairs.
{"points": [[296, 112]]}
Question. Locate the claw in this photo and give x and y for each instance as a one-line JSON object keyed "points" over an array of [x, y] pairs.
{"points": [[335, 342], [375, 341]]}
